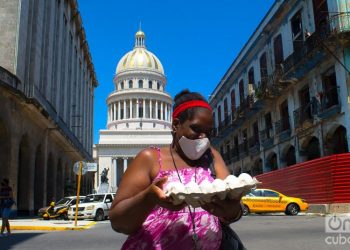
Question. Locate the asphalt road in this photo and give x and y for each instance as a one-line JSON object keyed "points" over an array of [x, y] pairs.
{"points": [[257, 232]]}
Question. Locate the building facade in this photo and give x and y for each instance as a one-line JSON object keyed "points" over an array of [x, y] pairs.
{"points": [[285, 98], [47, 83], [139, 112]]}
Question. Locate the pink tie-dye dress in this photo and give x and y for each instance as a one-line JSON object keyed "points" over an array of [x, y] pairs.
{"points": [[165, 229]]}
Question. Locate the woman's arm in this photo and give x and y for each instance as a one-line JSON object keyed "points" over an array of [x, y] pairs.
{"points": [[137, 195]]}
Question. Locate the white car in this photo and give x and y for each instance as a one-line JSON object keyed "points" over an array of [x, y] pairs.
{"points": [[94, 206]]}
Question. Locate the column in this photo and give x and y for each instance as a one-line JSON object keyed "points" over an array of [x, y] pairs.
{"points": [[115, 179], [137, 108], [119, 110], [130, 110], [161, 111], [166, 112], [157, 110], [124, 109], [115, 111], [144, 108], [150, 108], [125, 164]]}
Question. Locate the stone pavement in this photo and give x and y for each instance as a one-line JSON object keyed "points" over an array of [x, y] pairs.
{"points": [[50, 225]]}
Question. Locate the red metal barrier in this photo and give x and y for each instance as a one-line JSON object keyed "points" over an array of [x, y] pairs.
{"points": [[324, 180]]}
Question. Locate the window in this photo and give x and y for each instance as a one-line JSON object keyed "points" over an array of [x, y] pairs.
{"points": [[268, 193], [329, 96], [297, 34], [263, 69], [150, 84], [268, 125], [140, 84], [284, 115], [278, 50], [225, 111], [257, 193], [109, 196], [219, 115], [256, 132], [121, 85], [320, 15], [251, 77], [241, 92], [130, 84], [233, 101], [158, 85]]}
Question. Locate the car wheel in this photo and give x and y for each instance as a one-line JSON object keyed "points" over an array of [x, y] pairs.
{"points": [[292, 209], [245, 210], [99, 215]]}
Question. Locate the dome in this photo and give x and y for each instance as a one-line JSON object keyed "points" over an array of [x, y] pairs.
{"points": [[139, 58]]}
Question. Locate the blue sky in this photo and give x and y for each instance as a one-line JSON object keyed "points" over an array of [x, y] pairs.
{"points": [[196, 41]]}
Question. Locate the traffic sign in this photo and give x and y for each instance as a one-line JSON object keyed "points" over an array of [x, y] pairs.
{"points": [[84, 168]]}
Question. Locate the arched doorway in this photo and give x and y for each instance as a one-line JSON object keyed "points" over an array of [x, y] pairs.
{"points": [[24, 176], [257, 167], [312, 150], [340, 141], [5, 150], [50, 179], [290, 156], [38, 179], [271, 162]]}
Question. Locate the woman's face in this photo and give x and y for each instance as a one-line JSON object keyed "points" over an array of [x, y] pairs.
{"points": [[200, 126]]}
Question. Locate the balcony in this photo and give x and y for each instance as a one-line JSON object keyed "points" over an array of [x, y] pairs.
{"points": [[282, 129], [304, 116], [254, 144], [243, 149], [339, 25], [329, 104], [267, 137], [235, 154]]}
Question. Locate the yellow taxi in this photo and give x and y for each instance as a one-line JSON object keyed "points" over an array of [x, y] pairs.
{"points": [[269, 201]]}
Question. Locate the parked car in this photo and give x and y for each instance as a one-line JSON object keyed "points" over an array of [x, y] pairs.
{"points": [[94, 206], [268, 200], [65, 202]]}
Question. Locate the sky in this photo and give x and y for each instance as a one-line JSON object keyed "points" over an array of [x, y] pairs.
{"points": [[195, 40]]}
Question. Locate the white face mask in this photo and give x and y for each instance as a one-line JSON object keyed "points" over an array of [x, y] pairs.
{"points": [[194, 149]]}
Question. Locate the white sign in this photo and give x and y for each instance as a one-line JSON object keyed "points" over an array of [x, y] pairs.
{"points": [[91, 167]]}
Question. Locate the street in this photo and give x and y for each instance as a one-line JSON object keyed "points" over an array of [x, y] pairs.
{"points": [[256, 231]]}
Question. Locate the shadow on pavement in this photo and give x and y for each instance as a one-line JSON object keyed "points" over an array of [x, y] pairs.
{"points": [[16, 238]]}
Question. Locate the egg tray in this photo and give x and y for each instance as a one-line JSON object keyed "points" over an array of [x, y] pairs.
{"points": [[197, 199]]}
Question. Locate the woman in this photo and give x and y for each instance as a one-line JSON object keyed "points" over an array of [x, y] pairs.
{"points": [[6, 204], [141, 208]]}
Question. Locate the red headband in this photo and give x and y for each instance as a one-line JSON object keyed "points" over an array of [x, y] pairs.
{"points": [[190, 104]]}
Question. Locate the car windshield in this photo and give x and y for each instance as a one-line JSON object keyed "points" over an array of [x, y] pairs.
{"points": [[63, 201], [94, 198]]}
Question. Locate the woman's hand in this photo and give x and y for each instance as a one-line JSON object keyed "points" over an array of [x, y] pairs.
{"points": [[157, 196], [228, 210]]}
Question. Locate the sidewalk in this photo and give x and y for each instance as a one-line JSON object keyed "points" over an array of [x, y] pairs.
{"points": [[49, 225]]}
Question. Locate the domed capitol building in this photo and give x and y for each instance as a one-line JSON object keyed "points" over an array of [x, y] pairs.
{"points": [[139, 112]]}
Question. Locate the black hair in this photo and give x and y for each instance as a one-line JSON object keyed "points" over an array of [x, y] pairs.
{"points": [[185, 96]]}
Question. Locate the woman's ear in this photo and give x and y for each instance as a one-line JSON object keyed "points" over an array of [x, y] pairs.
{"points": [[175, 125]]}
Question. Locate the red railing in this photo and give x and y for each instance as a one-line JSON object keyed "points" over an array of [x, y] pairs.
{"points": [[325, 180]]}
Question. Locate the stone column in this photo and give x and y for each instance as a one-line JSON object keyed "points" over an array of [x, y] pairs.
{"points": [[144, 108], [130, 110], [118, 110], [125, 164], [115, 111], [137, 108], [157, 110], [150, 109], [166, 112], [161, 110], [124, 109]]}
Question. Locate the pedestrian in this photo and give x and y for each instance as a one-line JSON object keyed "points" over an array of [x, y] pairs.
{"points": [[141, 208], [6, 202]]}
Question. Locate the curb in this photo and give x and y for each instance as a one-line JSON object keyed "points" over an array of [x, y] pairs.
{"points": [[52, 228]]}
